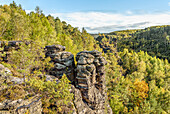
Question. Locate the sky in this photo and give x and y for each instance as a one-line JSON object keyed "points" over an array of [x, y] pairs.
{"points": [[103, 15]]}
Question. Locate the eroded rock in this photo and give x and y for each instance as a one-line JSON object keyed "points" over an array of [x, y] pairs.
{"points": [[7, 77], [63, 61], [22, 106], [90, 82]]}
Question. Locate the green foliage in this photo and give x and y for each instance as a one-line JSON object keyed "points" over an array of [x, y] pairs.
{"points": [[12, 93], [143, 88], [35, 31], [29, 57], [137, 82], [55, 95], [16, 24], [154, 40]]}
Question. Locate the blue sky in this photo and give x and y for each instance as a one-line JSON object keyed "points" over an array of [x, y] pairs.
{"points": [[103, 15]]}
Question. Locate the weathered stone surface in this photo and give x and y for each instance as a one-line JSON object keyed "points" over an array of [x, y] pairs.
{"points": [[90, 82], [7, 77], [12, 45], [56, 48], [20, 106], [83, 108], [59, 66], [16, 80], [89, 78], [63, 61], [7, 47], [51, 78], [4, 71]]}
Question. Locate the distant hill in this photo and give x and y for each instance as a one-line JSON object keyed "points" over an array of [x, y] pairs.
{"points": [[155, 40]]}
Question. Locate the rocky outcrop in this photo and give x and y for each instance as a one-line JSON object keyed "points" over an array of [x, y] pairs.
{"points": [[22, 106], [7, 77], [12, 45], [90, 80], [63, 61], [87, 78], [7, 47], [83, 108]]}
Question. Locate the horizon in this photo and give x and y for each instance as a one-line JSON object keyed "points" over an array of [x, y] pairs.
{"points": [[100, 16]]}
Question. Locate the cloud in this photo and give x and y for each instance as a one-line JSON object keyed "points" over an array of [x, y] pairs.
{"points": [[115, 27], [28, 11], [95, 22], [129, 12]]}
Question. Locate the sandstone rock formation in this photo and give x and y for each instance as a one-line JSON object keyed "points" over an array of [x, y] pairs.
{"points": [[63, 61], [22, 106], [88, 79], [8, 46], [7, 77]]}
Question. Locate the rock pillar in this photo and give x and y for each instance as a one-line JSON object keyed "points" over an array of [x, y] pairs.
{"points": [[63, 61], [90, 80]]}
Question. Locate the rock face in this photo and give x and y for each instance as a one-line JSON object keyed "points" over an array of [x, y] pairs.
{"points": [[88, 77], [90, 80], [63, 61], [20, 106], [12, 45], [7, 77]]}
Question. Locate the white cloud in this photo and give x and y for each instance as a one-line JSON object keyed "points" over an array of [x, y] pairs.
{"points": [[129, 12], [96, 22], [28, 11]]}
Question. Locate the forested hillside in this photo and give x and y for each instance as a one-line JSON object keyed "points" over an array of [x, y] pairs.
{"points": [[140, 85], [154, 40], [137, 81], [17, 25]]}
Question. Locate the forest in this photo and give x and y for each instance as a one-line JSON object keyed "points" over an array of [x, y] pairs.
{"points": [[137, 70], [154, 40]]}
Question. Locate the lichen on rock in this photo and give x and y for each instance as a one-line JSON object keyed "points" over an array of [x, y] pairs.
{"points": [[90, 80]]}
